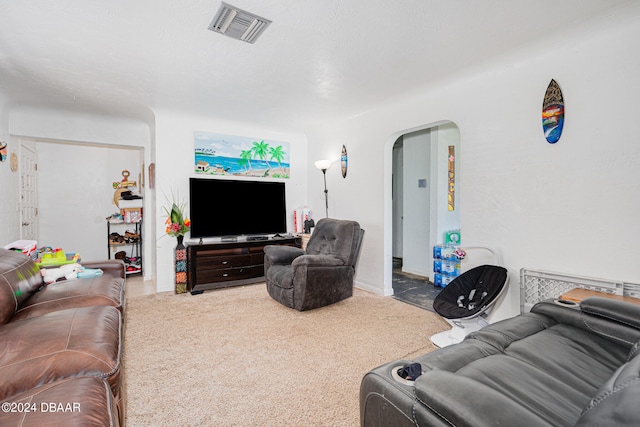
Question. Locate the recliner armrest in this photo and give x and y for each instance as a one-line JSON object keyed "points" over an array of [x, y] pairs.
{"points": [[317, 261], [277, 254]]}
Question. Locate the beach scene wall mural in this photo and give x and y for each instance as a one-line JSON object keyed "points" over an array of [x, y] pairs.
{"points": [[219, 154]]}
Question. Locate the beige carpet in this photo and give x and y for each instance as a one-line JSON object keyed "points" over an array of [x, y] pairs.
{"points": [[237, 357]]}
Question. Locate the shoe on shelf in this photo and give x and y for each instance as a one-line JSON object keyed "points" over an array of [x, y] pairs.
{"points": [[131, 237], [116, 239], [133, 269]]}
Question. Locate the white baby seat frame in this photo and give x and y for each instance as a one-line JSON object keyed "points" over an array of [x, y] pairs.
{"points": [[461, 327]]}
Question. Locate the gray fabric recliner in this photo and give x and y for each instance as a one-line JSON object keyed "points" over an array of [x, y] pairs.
{"points": [[320, 275]]}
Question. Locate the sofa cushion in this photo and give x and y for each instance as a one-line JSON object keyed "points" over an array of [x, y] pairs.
{"points": [[62, 344], [616, 402], [19, 278], [470, 405], [106, 289], [71, 402]]}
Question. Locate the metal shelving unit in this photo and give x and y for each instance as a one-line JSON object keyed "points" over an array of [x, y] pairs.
{"points": [[131, 245]]}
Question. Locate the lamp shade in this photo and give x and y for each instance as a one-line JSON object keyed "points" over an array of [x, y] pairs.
{"points": [[323, 164]]}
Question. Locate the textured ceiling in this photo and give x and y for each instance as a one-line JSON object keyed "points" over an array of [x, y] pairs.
{"points": [[319, 60]]}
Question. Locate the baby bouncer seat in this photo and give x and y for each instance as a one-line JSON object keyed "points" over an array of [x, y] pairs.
{"points": [[465, 302]]}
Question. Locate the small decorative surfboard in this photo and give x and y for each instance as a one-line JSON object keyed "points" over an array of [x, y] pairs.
{"points": [[344, 161], [553, 113]]}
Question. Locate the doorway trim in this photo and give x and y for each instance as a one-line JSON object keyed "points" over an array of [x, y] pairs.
{"points": [[28, 191], [388, 201]]}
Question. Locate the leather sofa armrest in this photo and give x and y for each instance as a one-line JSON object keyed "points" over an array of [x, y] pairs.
{"points": [[614, 320], [617, 311], [276, 254], [114, 267]]}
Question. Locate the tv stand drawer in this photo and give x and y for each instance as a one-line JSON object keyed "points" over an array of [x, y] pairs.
{"points": [[226, 274], [230, 261], [221, 265]]}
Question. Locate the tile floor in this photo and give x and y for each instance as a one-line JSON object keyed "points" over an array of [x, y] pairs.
{"points": [[413, 289], [137, 286]]}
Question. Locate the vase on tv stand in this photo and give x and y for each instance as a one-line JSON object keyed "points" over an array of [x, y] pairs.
{"points": [[180, 262]]}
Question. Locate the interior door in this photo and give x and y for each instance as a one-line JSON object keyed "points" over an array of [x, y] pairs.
{"points": [[28, 192]]}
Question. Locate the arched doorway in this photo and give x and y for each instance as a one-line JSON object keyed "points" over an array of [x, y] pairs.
{"points": [[417, 212]]}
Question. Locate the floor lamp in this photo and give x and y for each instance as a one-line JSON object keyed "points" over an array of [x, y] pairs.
{"points": [[323, 165]]}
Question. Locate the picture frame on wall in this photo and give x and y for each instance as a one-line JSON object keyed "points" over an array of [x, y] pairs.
{"points": [[232, 155], [152, 175]]}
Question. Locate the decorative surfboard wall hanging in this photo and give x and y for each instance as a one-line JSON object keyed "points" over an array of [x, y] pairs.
{"points": [[553, 113], [3, 151], [344, 161]]}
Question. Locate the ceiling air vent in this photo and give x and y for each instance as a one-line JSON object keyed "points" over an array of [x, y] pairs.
{"points": [[238, 24]]}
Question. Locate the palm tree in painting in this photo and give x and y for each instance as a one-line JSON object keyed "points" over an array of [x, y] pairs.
{"points": [[261, 149], [245, 158], [277, 154]]}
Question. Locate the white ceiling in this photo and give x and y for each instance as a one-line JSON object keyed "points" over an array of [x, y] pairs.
{"points": [[319, 60]]}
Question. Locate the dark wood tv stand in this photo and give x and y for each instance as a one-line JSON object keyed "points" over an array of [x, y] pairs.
{"points": [[220, 265]]}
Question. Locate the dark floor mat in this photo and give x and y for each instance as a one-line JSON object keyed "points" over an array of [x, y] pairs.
{"points": [[415, 290]]}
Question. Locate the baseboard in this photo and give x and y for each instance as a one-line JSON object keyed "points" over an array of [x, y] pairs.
{"points": [[373, 289]]}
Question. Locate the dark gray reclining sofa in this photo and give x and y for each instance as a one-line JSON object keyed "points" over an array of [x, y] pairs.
{"points": [[559, 365]]}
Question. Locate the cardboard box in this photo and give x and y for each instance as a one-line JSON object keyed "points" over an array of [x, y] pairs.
{"points": [[133, 203], [444, 252], [131, 214], [442, 280]]}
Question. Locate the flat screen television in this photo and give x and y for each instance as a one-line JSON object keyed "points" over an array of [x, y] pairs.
{"points": [[225, 207]]}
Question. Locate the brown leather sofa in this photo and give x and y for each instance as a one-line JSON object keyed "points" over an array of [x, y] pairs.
{"points": [[60, 345]]}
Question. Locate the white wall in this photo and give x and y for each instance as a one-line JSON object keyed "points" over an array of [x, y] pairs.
{"points": [[569, 207], [64, 125], [175, 165]]}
